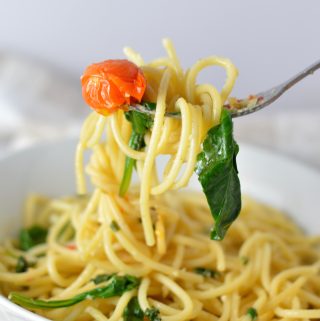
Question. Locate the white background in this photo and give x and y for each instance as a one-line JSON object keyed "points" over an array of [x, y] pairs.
{"points": [[268, 41]]}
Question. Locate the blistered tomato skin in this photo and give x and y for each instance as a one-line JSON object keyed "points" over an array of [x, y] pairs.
{"points": [[111, 85]]}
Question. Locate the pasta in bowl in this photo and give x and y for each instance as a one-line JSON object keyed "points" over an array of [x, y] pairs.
{"points": [[267, 186], [149, 252]]}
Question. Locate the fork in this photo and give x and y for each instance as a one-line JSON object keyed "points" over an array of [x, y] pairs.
{"points": [[253, 103]]}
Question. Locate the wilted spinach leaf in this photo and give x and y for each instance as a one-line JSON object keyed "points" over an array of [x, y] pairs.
{"points": [[141, 123], [116, 287], [30, 237], [133, 311], [217, 172]]}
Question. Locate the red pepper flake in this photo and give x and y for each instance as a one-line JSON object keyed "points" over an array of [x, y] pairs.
{"points": [[260, 98], [71, 246]]}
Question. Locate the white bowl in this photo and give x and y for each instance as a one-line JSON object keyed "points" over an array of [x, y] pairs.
{"points": [[49, 169]]}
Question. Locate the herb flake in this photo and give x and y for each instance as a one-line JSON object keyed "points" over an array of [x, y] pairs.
{"points": [[22, 265], [208, 273], [152, 314], [114, 226], [252, 312], [244, 260]]}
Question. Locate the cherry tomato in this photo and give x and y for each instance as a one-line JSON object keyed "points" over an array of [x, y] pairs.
{"points": [[112, 84]]}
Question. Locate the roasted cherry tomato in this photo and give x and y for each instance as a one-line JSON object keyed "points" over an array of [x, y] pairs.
{"points": [[112, 84]]}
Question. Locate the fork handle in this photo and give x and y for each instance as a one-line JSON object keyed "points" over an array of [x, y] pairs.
{"points": [[296, 78]]}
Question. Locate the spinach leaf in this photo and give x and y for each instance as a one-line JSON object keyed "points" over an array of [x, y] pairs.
{"points": [[152, 314], [22, 265], [136, 142], [30, 237], [217, 172], [116, 287], [252, 312], [133, 311], [102, 278], [141, 123]]}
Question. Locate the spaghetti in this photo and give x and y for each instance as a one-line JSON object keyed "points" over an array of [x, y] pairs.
{"points": [[147, 255]]}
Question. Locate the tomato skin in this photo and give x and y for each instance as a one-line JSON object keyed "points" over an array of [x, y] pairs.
{"points": [[112, 84]]}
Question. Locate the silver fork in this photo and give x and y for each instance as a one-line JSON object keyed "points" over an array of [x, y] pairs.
{"points": [[254, 102]]}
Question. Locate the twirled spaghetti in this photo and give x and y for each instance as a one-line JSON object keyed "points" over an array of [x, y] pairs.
{"points": [[265, 267]]}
